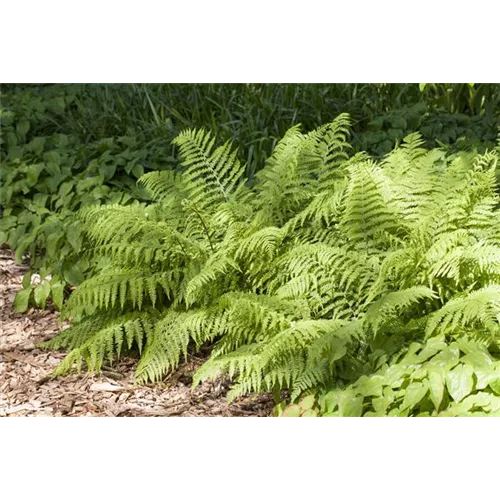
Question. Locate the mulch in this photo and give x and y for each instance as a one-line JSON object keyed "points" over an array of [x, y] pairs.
{"points": [[27, 388]]}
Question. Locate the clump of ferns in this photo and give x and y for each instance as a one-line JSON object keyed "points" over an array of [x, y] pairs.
{"points": [[295, 280]]}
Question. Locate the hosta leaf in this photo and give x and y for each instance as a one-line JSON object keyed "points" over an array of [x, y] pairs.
{"points": [[73, 275], [460, 382], [41, 293], [27, 279], [57, 294], [22, 299]]}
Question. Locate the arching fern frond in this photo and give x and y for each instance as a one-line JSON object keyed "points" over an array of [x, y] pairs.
{"points": [[478, 308], [212, 175]]}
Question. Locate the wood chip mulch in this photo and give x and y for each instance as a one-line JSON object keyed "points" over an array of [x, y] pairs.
{"points": [[27, 389]]}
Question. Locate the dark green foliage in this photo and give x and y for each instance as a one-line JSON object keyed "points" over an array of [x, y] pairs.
{"points": [[47, 175], [356, 257]]}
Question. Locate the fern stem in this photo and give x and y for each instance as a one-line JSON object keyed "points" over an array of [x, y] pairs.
{"points": [[204, 228]]}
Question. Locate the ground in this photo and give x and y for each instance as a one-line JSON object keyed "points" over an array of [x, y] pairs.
{"points": [[27, 389]]}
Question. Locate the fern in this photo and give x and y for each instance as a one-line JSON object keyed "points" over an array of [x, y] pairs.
{"points": [[297, 281]]}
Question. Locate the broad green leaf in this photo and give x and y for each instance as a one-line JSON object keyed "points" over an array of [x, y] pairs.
{"points": [[494, 382], [495, 405], [53, 157], [436, 387], [11, 139], [62, 141], [292, 411], [22, 127], [22, 300], [27, 279], [65, 188], [41, 293], [330, 401], [33, 173], [421, 86], [481, 399], [415, 392], [380, 404], [73, 235], [424, 414], [370, 386], [54, 180], [73, 275], [419, 374], [108, 171], [307, 403], [478, 359], [40, 199], [430, 350], [310, 413], [53, 243], [37, 145], [278, 409], [57, 294], [350, 405], [413, 348], [15, 152], [460, 382], [394, 375], [483, 376], [138, 171], [447, 358]]}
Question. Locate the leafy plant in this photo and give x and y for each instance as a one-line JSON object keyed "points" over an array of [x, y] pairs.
{"points": [[431, 379], [46, 178], [298, 279]]}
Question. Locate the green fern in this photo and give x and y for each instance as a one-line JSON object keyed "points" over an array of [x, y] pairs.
{"points": [[298, 280]]}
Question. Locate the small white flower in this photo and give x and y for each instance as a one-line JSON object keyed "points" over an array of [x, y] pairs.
{"points": [[35, 279]]}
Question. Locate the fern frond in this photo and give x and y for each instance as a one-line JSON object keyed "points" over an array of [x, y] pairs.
{"points": [[107, 343], [478, 308], [211, 175], [219, 266], [394, 304], [163, 184], [366, 209]]}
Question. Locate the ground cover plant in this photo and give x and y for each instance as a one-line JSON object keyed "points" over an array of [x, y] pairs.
{"points": [[331, 266], [47, 175]]}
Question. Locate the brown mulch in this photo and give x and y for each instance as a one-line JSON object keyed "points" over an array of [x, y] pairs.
{"points": [[27, 389]]}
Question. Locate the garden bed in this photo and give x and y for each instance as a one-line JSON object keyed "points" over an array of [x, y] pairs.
{"points": [[27, 389]]}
